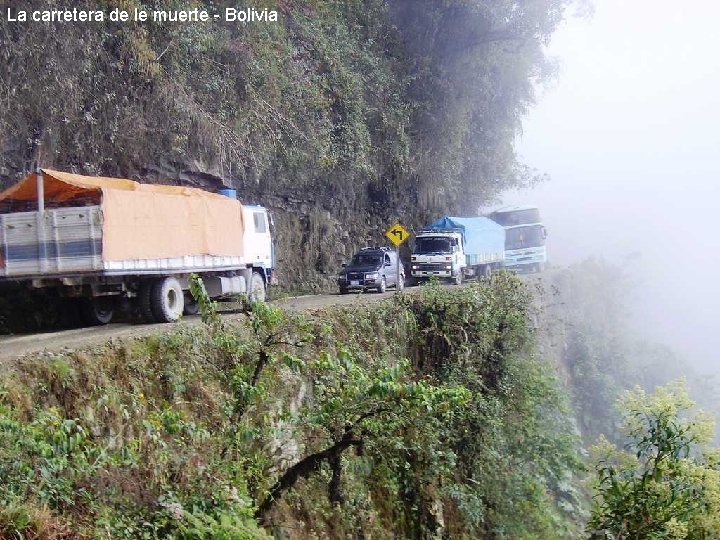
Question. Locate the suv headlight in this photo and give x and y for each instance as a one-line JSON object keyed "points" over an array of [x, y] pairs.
{"points": [[371, 275]]}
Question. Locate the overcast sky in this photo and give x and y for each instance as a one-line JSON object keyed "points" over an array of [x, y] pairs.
{"points": [[630, 135]]}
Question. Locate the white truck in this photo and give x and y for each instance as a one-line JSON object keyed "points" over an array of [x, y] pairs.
{"points": [[111, 242], [525, 238], [455, 248]]}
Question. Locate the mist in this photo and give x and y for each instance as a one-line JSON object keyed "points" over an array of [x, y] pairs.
{"points": [[629, 135]]}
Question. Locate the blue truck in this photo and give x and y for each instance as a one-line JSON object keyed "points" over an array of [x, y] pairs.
{"points": [[454, 248]]}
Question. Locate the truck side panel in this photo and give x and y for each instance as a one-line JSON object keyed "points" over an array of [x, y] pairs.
{"points": [[69, 241], [62, 240]]}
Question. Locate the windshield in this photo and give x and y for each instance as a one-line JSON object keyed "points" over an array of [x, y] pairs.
{"points": [[516, 217], [524, 237], [366, 259], [430, 244]]}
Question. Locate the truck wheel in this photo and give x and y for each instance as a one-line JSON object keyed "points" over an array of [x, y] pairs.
{"points": [[257, 287], [143, 302], [191, 306], [167, 300], [383, 286], [96, 311]]}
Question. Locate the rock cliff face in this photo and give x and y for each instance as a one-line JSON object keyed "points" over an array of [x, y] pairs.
{"points": [[342, 117]]}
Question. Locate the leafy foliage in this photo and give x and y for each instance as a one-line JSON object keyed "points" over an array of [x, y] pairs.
{"points": [[661, 487]]}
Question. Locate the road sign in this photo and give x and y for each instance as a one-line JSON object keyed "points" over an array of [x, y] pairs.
{"points": [[397, 234]]}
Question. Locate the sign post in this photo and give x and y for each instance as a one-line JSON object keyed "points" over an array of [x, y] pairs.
{"points": [[397, 234]]}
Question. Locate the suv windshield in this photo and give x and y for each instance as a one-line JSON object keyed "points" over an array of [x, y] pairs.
{"points": [[367, 259], [430, 244]]}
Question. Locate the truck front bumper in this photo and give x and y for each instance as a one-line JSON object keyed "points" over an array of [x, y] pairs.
{"points": [[524, 267], [429, 274]]}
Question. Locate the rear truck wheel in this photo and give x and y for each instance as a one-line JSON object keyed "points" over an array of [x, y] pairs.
{"points": [[191, 306], [383, 286], [97, 311], [143, 301], [257, 287], [167, 300], [400, 283]]}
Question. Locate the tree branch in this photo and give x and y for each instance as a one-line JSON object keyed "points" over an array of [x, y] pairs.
{"points": [[305, 468]]}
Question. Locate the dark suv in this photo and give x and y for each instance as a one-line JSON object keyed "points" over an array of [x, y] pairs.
{"points": [[372, 268]]}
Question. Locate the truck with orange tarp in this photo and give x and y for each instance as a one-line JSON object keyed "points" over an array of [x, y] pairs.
{"points": [[110, 241]]}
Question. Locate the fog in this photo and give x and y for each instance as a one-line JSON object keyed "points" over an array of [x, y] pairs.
{"points": [[630, 135]]}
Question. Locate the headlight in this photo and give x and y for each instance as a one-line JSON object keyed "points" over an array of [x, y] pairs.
{"points": [[448, 267], [414, 266], [371, 275]]}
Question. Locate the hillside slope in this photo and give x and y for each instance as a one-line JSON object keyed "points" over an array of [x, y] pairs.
{"points": [[342, 116], [424, 416]]}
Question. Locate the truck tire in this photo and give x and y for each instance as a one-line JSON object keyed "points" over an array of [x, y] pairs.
{"points": [[143, 302], [167, 300], [96, 311], [257, 287]]}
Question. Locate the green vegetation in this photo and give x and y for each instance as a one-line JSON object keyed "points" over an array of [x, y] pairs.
{"points": [[424, 416], [666, 484], [413, 418]]}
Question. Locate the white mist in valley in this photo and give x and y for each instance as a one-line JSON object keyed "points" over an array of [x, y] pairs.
{"points": [[630, 135]]}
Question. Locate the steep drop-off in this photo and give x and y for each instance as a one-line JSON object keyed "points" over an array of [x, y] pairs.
{"points": [[421, 417]]}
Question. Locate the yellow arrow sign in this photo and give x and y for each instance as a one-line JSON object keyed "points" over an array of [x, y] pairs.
{"points": [[397, 234]]}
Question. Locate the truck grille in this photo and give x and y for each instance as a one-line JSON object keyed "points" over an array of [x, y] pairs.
{"points": [[432, 267]]}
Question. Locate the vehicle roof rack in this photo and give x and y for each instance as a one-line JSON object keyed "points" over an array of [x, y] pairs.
{"points": [[457, 230], [370, 248]]}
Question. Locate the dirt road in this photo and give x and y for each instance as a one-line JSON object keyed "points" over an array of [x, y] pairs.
{"points": [[79, 338]]}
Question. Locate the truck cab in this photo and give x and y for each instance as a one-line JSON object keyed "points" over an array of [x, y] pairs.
{"points": [[524, 238], [440, 254], [525, 248], [257, 239]]}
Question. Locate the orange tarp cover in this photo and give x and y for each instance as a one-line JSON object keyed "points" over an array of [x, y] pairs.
{"points": [[147, 221]]}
